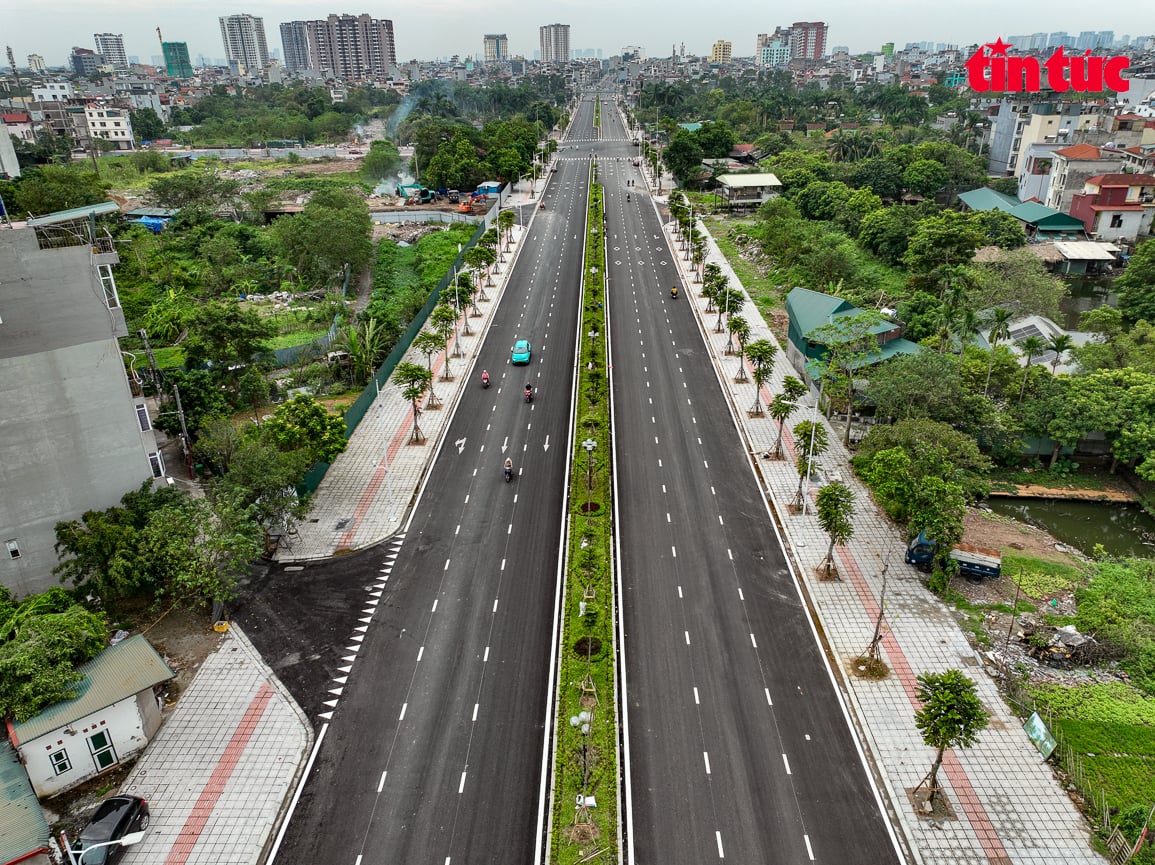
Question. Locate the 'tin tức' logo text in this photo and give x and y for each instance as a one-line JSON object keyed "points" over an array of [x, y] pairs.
{"points": [[991, 69]]}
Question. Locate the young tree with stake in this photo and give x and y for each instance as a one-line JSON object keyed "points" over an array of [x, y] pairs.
{"points": [[952, 715]]}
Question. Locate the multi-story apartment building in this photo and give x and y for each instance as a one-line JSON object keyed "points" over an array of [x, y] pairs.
{"points": [[721, 51], [244, 40], [72, 436], [554, 43], [36, 64], [1073, 167], [495, 47], [85, 61], [110, 46], [351, 47], [109, 124], [295, 45], [808, 40], [176, 59], [1116, 207]]}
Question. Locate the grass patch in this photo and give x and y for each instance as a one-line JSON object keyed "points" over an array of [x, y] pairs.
{"points": [[1040, 578], [762, 286], [1111, 729]]}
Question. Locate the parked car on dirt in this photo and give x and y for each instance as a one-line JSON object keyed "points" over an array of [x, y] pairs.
{"points": [[116, 817]]}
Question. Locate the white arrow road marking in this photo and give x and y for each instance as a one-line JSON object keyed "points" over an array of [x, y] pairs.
{"points": [[460, 445]]}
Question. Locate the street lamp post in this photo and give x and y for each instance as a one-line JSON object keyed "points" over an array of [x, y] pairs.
{"points": [[126, 841]]}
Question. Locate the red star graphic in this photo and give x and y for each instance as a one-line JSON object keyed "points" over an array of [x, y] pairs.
{"points": [[999, 48]]}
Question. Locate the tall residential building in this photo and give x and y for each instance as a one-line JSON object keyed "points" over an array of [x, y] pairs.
{"points": [[496, 47], [352, 47], [808, 40], [720, 52], [554, 43], [176, 59], [110, 46], [775, 49], [36, 63], [244, 40], [295, 45], [73, 437]]}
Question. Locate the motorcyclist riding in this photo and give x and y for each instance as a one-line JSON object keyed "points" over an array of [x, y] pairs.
{"points": [[627, 196], [508, 469], [674, 291], [529, 393], [484, 378]]}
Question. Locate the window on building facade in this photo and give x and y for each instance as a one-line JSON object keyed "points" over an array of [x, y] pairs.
{"points": [[60, 761], [102, 749], [142, 417], [13, 549], [1117, 221], [157, 462]]}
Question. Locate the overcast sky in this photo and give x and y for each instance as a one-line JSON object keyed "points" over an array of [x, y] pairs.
{"points": [[429, 29]]}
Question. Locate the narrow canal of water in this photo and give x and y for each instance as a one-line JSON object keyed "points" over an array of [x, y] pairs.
{"points": [[1122, 529]]}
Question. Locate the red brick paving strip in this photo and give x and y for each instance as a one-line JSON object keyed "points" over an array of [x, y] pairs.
{"points": [[965, 794], [190, 833], [366, 500]]}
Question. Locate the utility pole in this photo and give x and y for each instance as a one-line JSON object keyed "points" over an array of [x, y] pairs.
{"points": [[151, 360], [183, 430]]}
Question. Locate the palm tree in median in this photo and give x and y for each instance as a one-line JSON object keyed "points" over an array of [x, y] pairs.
{"points": [[1000, 330], [1032, 347]]}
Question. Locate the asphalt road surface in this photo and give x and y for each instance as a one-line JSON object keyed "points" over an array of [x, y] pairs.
{"points": [[436, 750], [738, 748], [738, 745]]}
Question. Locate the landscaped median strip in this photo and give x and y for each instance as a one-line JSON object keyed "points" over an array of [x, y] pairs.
{"points": [[585, 773]]}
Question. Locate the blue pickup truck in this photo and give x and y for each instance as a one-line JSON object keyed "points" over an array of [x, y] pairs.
{"points": [[973, 562]]}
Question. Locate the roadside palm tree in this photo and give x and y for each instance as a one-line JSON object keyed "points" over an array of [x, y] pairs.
{"points": [[739, 328], [783, 405], [443, 320], [1060, 344], [836, 516], [1032, 347], [429, 343], [413, 379], [1000, 330], [762, 354], [810, 442], [729, 302], [505, 221]]}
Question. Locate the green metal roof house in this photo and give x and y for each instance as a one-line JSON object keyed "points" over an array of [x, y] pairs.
{"points": [[24, 833], [984, 198], [810, 310], [113, 716]]}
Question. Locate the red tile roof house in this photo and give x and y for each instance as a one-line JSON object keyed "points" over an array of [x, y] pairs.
{"points": [[1116, 206], [19, 125]]}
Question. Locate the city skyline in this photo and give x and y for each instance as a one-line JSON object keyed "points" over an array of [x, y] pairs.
{"points": [[52, 28]]}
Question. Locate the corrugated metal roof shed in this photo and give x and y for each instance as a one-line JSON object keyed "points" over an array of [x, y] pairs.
{"points": [[75, 213], [119, 671], [23, 829]]}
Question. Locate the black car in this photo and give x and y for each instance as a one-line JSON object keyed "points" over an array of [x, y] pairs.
{"points": [[115, 818]]}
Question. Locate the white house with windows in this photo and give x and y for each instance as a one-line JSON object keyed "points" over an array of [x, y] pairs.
{"points": [[748, 190], [113, 716], [109, 124]]}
